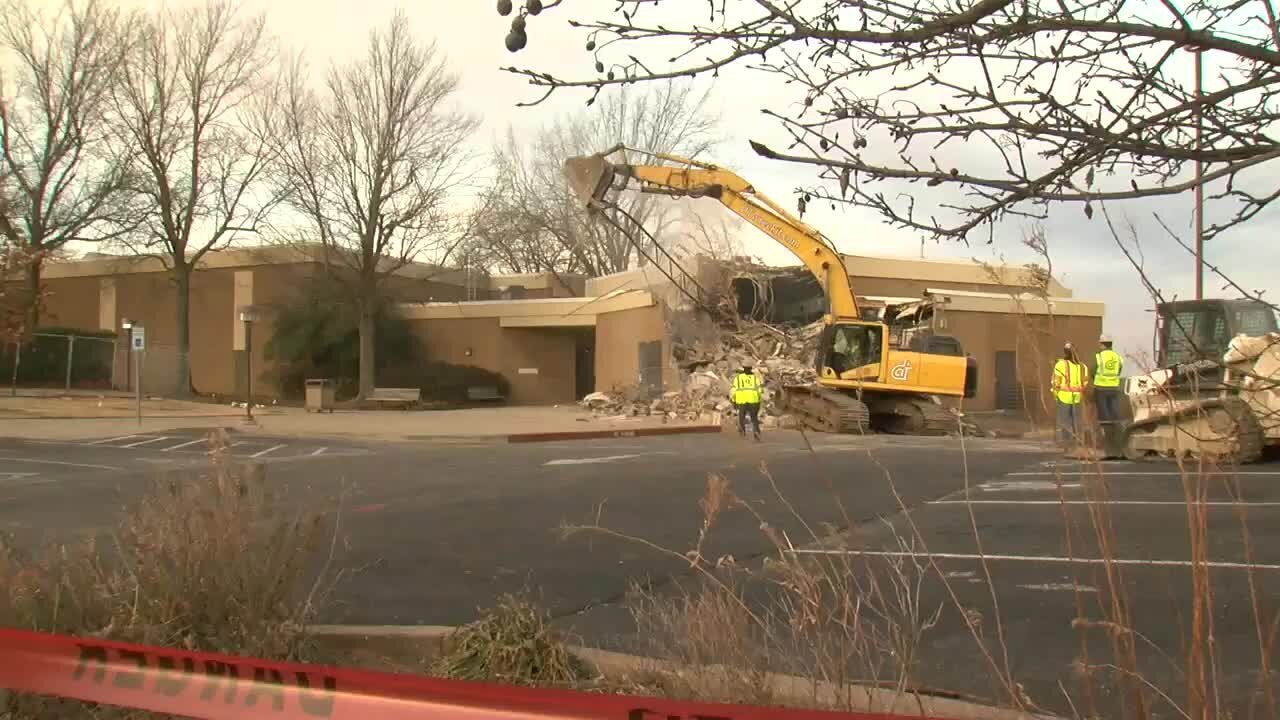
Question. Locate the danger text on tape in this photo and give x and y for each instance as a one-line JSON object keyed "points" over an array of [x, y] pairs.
{"points": [[212, 686]]}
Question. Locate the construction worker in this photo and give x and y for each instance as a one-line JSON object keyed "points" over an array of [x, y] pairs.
{"points": [[746, 399], [1069, 378], [1106, 381]]}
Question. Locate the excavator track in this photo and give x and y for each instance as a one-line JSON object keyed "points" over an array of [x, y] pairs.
{"points": [[826, 410], [909, 415], [1223, 429]]}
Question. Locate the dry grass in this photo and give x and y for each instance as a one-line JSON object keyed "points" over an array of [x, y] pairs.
{"points": [[837, 620], [512, 643], [849, 624], [207, 561]]}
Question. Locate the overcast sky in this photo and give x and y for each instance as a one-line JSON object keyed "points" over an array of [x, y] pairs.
{"points": [[1085, 257]]}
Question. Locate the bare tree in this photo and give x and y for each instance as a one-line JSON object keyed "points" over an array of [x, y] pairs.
{"points": [[59, 171], [190, 108], [373, 162], [1035, 102], [530, 220]]}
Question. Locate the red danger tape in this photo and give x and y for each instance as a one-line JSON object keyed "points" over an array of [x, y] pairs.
{"points": [[212, 687]]}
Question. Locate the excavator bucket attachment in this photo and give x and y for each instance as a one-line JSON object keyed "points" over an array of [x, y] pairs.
{"points": [[589, 178]]}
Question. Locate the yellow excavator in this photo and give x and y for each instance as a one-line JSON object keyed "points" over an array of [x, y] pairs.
{"points": [[863, 382]]}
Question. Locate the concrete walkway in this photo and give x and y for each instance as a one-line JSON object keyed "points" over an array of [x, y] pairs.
{"points": [[383, 425]]}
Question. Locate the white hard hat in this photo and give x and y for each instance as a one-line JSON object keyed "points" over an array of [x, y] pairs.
{"points": [[1105, 338]]}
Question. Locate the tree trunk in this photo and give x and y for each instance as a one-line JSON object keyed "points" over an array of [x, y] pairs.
{"points": [[368, 359], [182, 285], [32, 320]]}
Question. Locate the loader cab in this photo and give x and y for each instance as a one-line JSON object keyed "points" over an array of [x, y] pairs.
{"points": [[1192, 330]]}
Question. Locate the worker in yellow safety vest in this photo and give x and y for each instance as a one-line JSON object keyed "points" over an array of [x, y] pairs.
{"points": [[1069, 380], [1106, 381], [745, 397]]}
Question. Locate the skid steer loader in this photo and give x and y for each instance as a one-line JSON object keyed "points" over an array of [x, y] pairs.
{"points": [[1215, 394]]}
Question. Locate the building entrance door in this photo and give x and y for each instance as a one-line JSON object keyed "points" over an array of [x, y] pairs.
{"points": [[651, 367], [1008, 390]]}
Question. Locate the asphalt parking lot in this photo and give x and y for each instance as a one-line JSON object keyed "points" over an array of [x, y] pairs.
{"points": [[438, 530], [1023, 555]]}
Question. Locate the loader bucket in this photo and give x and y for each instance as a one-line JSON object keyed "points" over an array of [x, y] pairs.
{"points": [[589, 178]]}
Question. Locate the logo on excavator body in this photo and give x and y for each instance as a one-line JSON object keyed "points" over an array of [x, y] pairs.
{"points": [[900, 371]]}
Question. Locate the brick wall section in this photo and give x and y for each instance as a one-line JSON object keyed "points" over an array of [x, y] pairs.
{"points": [[1037, 340], [618, 337], [506, 350]]}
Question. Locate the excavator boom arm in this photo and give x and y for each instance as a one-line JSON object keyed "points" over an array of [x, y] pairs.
{"points": [[592, 177]]}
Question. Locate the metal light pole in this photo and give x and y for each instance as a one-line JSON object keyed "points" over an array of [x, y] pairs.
{"points": [[127, 325], [1199, 210], [248, 315], [137, 345]]}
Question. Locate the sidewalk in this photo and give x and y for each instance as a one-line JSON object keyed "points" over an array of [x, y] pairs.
{"points": [[35, 405], [383, 425]]}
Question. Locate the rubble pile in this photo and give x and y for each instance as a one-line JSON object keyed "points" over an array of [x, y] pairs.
{"points": [[779, 355]]}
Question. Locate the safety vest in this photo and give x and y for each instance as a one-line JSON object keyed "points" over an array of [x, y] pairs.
{"points": [[746, 389], [1068, 381], [1109, 368]]}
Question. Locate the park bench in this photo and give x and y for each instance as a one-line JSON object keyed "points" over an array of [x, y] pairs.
{"points": [[406, 397], [480, 393]]}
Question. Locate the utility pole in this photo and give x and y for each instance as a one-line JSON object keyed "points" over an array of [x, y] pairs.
{"points": [[248, 316]]}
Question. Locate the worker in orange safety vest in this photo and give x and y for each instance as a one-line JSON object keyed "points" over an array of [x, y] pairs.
{"points": [[1069, 380]]}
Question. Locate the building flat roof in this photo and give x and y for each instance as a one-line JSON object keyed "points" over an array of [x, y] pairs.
{"points": [[100, 264], [533, 312], [946, 270], [1016, 304]]}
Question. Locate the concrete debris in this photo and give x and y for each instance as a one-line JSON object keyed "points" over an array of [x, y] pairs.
{"points": [[780, 356], [967, 426]]}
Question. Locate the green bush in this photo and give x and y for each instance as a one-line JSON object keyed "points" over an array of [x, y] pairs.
{"points": [[316, 334], [443, 382], [44, 358]]}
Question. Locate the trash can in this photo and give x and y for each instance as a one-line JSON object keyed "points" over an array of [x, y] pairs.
{"points": [[320, 394]]}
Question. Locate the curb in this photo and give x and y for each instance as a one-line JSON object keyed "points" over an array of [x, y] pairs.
{"points": [[593, 434], [787, 689], [132, 417]]}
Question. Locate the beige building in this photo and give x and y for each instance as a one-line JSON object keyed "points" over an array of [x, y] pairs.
{"points": [[556, 338]]}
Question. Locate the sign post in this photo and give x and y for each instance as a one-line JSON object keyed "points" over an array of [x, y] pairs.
{"points": [[139, 346]]}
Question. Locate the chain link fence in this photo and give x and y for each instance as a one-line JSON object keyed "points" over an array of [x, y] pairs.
{"points": [[62, 358]]}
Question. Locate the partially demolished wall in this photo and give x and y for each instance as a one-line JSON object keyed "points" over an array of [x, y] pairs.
{"points": [[710, 339]]}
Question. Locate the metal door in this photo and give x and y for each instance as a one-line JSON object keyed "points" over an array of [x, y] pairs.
{"points": [[651, 367], [1008, 390]]}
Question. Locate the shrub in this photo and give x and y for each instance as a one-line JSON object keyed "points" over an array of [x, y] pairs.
{"points": [[316, 334], [44, 358], [513, 643], [443, 382]]}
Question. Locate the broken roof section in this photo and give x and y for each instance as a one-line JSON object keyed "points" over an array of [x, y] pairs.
{"points": [[790, 294]]}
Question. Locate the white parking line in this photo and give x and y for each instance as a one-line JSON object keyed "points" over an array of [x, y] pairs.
{"points": [[59, 462], [185, 444], [145, 442], [589, 461], [268, 450], [1048, 559], [1214, 503], [317, 451], [111, 440]]}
